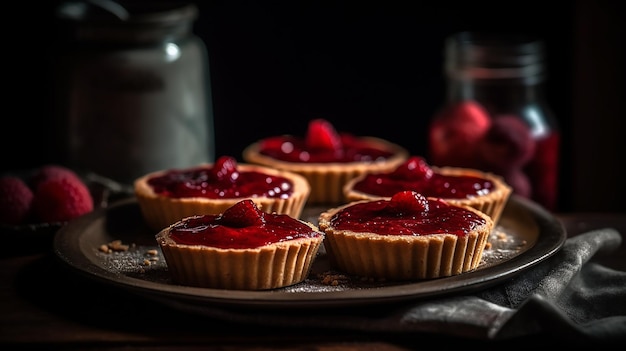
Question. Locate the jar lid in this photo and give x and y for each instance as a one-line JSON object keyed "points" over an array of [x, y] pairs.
{"points": [[127, 21], [481, 55]]}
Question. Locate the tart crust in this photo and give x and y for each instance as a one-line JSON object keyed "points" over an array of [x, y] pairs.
{"points": [[267, 267], [404, 257], [328, 179]]}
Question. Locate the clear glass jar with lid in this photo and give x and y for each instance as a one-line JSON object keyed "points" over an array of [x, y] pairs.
{"points": [[133, 90], [496, 117]]}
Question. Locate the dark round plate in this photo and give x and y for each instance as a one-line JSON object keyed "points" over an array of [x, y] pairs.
{"points": [[526, 235]]}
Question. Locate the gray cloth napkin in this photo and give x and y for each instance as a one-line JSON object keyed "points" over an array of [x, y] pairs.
{"points": [[568, 295]]}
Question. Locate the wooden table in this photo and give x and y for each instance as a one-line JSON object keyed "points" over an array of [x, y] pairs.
{"points": [[42, 303]]}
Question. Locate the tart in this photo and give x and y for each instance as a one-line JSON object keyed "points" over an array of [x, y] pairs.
{"points": [[406, 237], [167, 196], [484, 191], [243, 248], [326, 158]]}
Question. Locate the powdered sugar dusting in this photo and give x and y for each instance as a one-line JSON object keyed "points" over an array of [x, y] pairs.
{"points": [[146, 262]]}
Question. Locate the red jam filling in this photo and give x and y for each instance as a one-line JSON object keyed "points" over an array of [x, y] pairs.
{"points": [[222, 180], [243, 226], [322, 144], [407, 213], [416, 175]]}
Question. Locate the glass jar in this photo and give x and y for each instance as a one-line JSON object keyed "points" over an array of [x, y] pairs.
{"points": [[133, 91], [496, 117]]}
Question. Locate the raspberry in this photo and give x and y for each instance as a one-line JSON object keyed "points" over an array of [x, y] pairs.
{"points": [[321, 134], [413, 168], [243, 214], [455, 133], [49, 172], [61, 199], [225, 168], [408, 202], [16, 200]]}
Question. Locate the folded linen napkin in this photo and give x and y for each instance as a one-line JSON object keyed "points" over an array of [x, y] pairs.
{"points": [[569, 295]]}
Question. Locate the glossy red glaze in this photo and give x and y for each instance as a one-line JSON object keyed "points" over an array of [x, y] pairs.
{"points": [[414, 175], [423, 217], [294, 149], [243, 226], [220, 181]]}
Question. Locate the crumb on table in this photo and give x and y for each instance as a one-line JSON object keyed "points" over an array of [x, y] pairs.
{"points": [[114, 246]]}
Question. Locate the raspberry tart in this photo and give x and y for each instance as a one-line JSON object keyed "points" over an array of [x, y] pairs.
{"points": [[243, 248], [167, 196], [326, 158], [483, 191], [406, 237]]}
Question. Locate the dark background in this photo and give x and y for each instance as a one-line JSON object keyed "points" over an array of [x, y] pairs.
{"points": [[372, 68]]}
